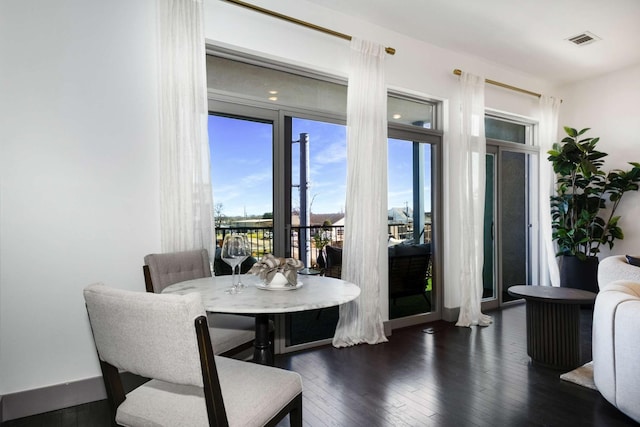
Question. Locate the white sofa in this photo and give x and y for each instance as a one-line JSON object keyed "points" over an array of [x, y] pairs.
{"points": [[615, 268], [616, 335]]}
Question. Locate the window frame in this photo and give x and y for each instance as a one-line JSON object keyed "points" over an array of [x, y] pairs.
{"points": [[226, 103], [531, 148], [529, 124]]}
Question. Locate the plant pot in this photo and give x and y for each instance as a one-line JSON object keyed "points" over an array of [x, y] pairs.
{"points": [[578, 274]]}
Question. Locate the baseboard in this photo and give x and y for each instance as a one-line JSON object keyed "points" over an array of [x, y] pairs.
{"points": [[387, 329], [450, 314], [46, 399]]}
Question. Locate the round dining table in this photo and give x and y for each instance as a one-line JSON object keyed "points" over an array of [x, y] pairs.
{"points": [[311, 292]]}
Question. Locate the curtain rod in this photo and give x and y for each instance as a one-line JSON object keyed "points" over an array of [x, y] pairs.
{"points": [[389, 50], [458, 72]]}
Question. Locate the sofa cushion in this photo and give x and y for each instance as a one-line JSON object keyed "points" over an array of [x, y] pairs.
{"points": [[633, 260]]}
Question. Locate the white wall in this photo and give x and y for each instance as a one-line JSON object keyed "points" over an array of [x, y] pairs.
{"points": [[417, 67], [610, 106], [79, 175]]}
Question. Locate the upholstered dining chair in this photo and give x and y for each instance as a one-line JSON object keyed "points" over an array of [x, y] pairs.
{"points": [[231, 334], [166, 338]]}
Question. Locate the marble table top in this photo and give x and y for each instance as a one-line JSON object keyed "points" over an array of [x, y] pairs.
{"points": [[313, 292]]}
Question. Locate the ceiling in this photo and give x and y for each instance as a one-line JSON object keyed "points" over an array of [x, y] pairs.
{"points": [[527, 35]]}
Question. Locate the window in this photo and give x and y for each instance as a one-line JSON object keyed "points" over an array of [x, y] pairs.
{"points": [[279, 133], [502, 129], [242, 184]]}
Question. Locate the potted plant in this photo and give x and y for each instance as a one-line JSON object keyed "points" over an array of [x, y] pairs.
{"points": [[321, 238], [583, 209]]}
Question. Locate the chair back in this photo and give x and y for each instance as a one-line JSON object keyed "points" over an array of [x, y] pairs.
{"points": [[408, 269], [333, 261], [221, 268], [162, 270], [147, 334]]}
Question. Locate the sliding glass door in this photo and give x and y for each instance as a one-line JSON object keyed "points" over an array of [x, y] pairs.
{"points": [[515, 221], [278, 156], [489, 273], [413, 232], [410, 226], [316, 176], [509, 233]]}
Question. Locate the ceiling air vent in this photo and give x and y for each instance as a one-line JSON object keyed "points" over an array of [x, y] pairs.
{"points": [[584, 39]]}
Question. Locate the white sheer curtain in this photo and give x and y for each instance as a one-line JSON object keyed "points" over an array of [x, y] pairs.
{"points": [[364, 260], [548, 132], [185, 182], [467, 185]]}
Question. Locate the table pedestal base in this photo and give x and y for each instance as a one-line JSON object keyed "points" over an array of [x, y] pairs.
{"points": [[553, 334], [262, 347]]}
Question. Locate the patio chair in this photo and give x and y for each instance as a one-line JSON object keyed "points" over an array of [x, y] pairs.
{"points": [[408, 270], [221, 268], [231, 334], [333, 262], [166, 338]]}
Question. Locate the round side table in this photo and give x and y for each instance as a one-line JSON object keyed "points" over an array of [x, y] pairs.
{"points": [[553, 323]]}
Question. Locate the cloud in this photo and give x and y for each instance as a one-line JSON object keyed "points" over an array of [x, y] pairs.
{"points": [[335, 152], [257, 178]]}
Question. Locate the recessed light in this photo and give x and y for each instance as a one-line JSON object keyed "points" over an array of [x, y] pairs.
{"points": [[273, 92], [273, 98], [396, 116]]}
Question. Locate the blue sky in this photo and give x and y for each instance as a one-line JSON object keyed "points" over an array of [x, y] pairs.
{"points": [[242, 173]]}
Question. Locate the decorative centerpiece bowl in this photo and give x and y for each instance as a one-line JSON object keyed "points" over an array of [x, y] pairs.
{"points": [[279, 280], [277, 272]]}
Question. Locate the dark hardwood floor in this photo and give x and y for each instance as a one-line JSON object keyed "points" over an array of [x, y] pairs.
{"points": [[449, 377]]}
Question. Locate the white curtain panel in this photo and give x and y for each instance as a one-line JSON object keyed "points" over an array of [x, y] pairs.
{"points": [[364, 260], [467, 179], [547, 134], [185, 181]]}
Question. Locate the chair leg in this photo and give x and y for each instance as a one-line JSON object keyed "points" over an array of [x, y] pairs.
{"points": [[272, 342], [113, 387], [293, 409], [295, 416]]}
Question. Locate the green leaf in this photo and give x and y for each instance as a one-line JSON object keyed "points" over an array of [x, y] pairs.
{"points": [[617, 233], [583, 190]]}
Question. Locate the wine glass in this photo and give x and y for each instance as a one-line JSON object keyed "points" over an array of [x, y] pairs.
{"points": [[234, 251], [247, 254]]}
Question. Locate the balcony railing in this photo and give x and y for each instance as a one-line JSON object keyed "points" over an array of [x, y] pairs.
{"points": [[261, 238]]}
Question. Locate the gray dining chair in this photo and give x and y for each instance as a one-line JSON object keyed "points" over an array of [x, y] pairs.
{"points": [[166, 338], [231, 334]]}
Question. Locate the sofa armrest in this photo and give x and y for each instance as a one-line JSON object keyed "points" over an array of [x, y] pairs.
{"points": [[615, 268]]}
